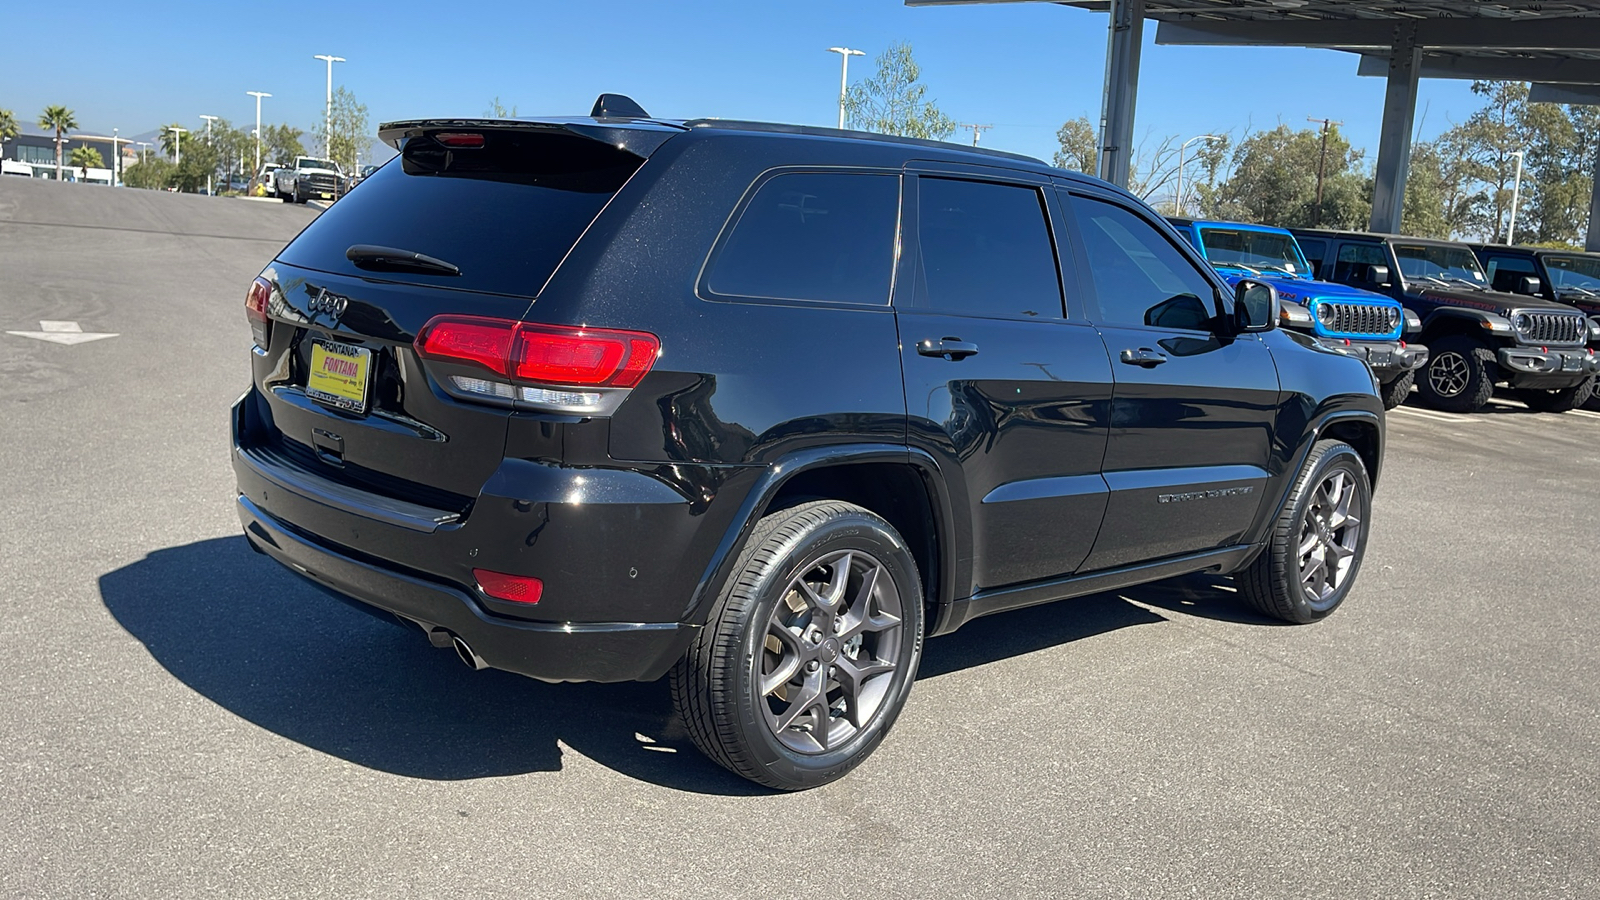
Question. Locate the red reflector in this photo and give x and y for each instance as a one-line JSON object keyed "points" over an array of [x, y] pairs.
{"points": [[546, 354], [516, 588], [464, 140], [1402, 345], [1347, 342], [255, 302]]}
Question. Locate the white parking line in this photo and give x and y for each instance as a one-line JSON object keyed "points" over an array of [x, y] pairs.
{"points": [[1584, 413], [1435, 416]]}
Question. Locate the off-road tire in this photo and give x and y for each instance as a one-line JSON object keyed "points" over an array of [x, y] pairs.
{"points": [[1273, 583], [1559, 401], [1477, 373], [1395, 392], [716, 685]]}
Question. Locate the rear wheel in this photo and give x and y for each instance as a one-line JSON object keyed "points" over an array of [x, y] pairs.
{"points": [[1395, 392], [1316, 544], [810, 651], [1559, 401], [1459, 376]]}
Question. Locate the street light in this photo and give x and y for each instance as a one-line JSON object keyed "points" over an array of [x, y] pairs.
{"points": [[258, 95], [177, 143], [1178, 206], [210, 187], [116, 159], [844, 74], [1516, 191], [327, 141]]}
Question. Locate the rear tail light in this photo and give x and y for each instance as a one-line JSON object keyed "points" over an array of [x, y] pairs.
{"points": [[516, 588], [255, 309], [563, 368]]}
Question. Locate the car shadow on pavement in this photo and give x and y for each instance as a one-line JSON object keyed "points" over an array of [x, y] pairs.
{"points": [[261, 643]]}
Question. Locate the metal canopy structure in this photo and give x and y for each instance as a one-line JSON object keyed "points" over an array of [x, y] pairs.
{"points": [[1554, 43]]}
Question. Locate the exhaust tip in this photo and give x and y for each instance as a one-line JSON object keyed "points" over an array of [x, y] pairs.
{"points": [[473, 660]]}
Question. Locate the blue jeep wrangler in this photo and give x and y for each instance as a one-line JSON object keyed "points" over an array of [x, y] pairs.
{"points": [[1348, 320]]}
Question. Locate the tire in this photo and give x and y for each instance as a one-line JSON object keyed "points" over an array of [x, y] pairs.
{"points": [[1329, 507], [755, 630], [1395, 392], [1459, 376], [1559, 401]]}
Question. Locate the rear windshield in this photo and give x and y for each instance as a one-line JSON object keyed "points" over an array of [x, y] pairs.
{"points": [[505, 213]]}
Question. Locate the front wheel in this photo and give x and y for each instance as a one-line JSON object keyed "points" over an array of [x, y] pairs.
{"points": [[1395, 392], [1459, 376], [1314, 550], [1559, 401], [810, 651]]}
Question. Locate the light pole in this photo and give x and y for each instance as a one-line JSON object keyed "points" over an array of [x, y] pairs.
{"points": [[1178, 206], [1516, 190], [116, 159], [844, 74], [258, 95], [210, 187], [177, 143], [327, 140]]}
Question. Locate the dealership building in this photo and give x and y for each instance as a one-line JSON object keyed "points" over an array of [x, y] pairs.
{"points": [[38, 152]]}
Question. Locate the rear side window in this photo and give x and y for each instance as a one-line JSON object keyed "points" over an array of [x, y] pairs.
{"points": [[813, 236], [1140, 277], [505, 213], [985, 250]]}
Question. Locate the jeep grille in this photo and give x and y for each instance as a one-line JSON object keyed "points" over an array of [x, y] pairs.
{"points": [[1357, 318], [1551, 328]]}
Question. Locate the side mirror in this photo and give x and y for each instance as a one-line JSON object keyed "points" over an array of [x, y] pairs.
{"points": [[1255, 306], [1378, 275], [1529, 284]]}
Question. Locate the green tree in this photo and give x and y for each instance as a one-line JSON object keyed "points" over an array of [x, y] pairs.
{"points": [[1273, 180], [151, 172], [62, 120], [173, 140], [281, 144], [895, 102], [8, 125], [496, 111], [86, 158], [1080, 146], [351, 136]]}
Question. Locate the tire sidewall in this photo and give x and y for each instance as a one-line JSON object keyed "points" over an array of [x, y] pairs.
{"points": [[846, 531], [1477, 376], [1344, 457]]}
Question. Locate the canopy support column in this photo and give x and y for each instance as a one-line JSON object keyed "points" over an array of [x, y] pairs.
{"points": [[1394, 144], [1592, 242], [1123, 44]]}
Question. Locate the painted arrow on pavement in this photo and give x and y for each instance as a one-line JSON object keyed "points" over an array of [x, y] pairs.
{"points": [[62, 333]]}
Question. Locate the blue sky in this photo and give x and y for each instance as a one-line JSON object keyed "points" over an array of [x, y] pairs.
{"points": [[1025, 68]]}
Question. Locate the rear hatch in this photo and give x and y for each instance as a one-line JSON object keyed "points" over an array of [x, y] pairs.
{"points": [[471, 220]]}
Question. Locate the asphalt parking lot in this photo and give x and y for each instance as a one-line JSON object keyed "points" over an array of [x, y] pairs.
{"points": [[181, 718]]}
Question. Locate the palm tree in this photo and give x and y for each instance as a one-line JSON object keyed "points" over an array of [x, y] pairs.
{"points": [[85, 157], [61, 119], [8, 125]]}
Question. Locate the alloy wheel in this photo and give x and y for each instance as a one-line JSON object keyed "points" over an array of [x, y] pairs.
{"points": [[1330, 534], [831, 649], [1448, 374]]}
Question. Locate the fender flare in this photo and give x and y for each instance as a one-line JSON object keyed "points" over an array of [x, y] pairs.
{"points": [[780, 471], [1314, 433]]}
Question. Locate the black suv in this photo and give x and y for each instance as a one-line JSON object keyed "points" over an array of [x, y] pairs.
{"points": [[763, 406], [1567, 276], [1477, 335]]}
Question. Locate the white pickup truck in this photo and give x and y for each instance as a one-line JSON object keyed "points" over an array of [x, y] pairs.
{"points": [[309, 177]]}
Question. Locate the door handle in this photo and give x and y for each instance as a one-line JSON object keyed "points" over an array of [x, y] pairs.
{"points": [[950, 348], [1144, 357]]}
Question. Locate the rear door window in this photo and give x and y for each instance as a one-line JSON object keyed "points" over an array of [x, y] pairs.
{"points": [[505, 213], [825, 236], [1506, 272], [985, 249]]}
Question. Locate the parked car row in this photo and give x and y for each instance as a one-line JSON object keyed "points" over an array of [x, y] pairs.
{"points": [[1426, 311], [764, 406]]}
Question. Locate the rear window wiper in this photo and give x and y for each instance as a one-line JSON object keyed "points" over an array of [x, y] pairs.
{"points": [[369, 256]]}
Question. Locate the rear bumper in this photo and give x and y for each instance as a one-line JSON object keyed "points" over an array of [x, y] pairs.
{"points": [[1550, 369], [1389, 359], [618, 651]]}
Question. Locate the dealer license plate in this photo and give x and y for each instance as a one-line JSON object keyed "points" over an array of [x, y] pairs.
{"points": [[340, 374], [1380, 357]]}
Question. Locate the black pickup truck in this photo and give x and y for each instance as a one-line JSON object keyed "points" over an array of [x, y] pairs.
{"points": [[1478, 336]]}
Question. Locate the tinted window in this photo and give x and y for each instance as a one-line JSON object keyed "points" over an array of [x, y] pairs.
{"points": [[1315, 252], [813, 236], [1506, 272], [505, 214], [1139, 276], [985, 250], [1356, 260]]}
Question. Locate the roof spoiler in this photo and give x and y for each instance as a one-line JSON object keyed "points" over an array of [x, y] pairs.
{"points": [[636, 137]]}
